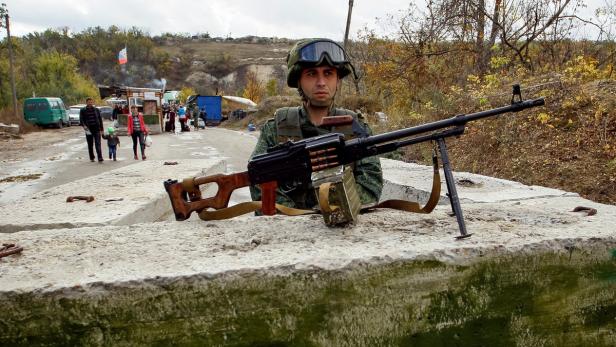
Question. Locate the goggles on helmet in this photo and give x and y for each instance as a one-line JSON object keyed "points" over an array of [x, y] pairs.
{"points": [[313, 52]]}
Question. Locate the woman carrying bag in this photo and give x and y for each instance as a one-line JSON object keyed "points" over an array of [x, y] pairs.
{"points": [[137, 130]]}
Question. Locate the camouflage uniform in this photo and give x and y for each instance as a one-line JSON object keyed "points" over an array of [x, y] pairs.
{"points": [[367, 172], [194, 115]]}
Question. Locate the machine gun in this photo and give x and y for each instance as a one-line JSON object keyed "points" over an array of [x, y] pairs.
{"points": [[299, 160]]}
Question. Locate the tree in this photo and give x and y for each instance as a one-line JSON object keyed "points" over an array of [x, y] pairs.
{"points": [[184, 93], [606, 17], [55, 74], [254, 89], [516, 23]]}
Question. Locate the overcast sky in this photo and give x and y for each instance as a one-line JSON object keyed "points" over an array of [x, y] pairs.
{"points": [[235, 18]]}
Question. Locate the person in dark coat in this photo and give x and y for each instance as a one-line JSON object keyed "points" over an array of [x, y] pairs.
{"points": [[116, 111], [92, 122], [203, 115], [171, 122]]}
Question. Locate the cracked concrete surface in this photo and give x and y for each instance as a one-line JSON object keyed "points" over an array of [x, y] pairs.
{"points": [[139, 186], [509, 218]]}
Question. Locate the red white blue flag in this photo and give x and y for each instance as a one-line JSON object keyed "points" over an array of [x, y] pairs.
{"points": [[122, 57]]}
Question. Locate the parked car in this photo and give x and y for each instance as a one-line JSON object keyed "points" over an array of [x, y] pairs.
{"points": [[73, 113], [238, 114], [46, 112], [106, 111]]}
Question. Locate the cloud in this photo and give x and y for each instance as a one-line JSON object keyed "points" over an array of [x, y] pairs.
{"points": [[280, 18], [293, 19]]}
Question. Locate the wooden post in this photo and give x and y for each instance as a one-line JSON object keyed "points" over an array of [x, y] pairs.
{"points": [[346, 39], [11, 72], [348, 24]]}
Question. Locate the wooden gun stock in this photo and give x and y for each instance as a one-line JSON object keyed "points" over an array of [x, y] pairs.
{"points": [[186, 198]]}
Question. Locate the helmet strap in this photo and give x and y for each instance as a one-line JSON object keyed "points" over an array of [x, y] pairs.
{"points": [[301, 93]]}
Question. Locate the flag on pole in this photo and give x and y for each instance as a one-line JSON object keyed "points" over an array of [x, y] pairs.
{"points": [[122, 57]]}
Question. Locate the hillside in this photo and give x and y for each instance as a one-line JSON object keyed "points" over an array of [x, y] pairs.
{"points": [[209, 65]]}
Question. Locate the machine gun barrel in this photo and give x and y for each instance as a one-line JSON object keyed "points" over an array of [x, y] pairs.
{"points": [[383, 143]]}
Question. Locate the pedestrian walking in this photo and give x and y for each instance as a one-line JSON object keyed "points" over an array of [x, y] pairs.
{"points": [[137, 130], [116, 111], [113, 141], [92, 122], [203, 115], [182, 117]]}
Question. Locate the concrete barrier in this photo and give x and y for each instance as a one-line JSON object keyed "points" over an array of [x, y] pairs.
{"points": [[413, 182], [128, 195], [9, 128], [533, 269]]}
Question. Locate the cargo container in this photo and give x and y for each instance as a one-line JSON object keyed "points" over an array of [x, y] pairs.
{"points": [[213, 107]]}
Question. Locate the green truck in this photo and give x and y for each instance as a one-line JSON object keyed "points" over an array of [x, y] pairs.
{"points": [[46, 112]]}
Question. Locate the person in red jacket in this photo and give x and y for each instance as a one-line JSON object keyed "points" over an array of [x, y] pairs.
{"points": [[137, 130]]}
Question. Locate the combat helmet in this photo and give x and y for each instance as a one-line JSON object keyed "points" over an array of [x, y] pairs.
{"points": [[313, 52]]}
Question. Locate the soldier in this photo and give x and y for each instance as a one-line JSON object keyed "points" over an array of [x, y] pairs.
{"points": [[316, 68], [194, 115]]}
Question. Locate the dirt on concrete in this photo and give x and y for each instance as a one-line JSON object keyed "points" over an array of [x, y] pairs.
{"points": [[17, 147], [21, 178]]}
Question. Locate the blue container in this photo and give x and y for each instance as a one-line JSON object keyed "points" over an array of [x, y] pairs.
{"points": [[213, 108]]}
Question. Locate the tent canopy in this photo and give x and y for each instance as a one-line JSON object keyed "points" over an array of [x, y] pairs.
{"points": [[170, 95], [240, 100]]}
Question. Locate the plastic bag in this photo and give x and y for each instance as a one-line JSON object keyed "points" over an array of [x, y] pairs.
{"points": [[148, 140]]}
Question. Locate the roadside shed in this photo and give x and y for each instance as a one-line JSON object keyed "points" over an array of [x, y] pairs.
{"points": [[147, 100]]}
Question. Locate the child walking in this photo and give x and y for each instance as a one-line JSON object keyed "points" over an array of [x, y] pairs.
{"points": [[113, 141]]}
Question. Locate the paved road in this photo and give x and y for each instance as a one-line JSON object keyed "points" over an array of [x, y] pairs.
{"points": [[60, 156]]}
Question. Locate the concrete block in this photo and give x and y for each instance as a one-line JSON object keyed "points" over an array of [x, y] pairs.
{"points": [[9, 128], [127, 255], [140, 187], [413, 182]]}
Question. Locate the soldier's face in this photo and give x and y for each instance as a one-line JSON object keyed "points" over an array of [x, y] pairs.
{"points": [[319, 84]]}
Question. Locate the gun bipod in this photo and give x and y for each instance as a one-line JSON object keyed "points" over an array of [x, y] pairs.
{"points": [[452, 193]]}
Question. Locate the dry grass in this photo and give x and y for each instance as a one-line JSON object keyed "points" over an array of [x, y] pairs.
{"points": [[569, 144]]}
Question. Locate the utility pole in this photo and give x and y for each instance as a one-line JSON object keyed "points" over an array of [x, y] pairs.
{"points": [[346, 39], [5, 13], [348, 24]]}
